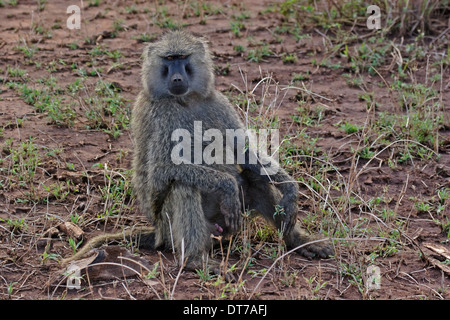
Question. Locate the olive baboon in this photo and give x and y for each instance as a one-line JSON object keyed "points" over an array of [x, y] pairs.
{"points": [[189, 201]]}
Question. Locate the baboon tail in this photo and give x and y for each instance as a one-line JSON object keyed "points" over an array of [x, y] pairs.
{"points": [[143, 236]]}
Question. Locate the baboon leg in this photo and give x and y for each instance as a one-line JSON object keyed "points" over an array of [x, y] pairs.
{"points": [[263, 198], [187, 228]]}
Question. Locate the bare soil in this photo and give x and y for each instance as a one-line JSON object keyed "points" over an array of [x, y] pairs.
{"points": [[91, 159]]}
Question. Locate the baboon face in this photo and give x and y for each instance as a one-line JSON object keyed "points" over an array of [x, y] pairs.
{"points": [[176, 72], [178, 65]]}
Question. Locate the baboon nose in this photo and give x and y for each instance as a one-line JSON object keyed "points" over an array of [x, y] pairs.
{"points": [[177, 78]]}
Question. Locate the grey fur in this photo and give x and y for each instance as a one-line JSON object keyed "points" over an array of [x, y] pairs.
{"points": [[198, 198]]}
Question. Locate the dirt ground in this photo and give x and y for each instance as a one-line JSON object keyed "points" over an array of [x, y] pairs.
{"points": [[369, 180]]}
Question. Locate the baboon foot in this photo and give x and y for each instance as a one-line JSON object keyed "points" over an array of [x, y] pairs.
{"points": [[318, 248]]}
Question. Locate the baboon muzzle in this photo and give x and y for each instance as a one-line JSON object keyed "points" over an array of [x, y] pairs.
{"points": [[178, 78]]}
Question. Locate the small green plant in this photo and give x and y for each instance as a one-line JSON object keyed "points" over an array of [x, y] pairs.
{"points": [[205, 275], [239, 48], [48, 256], [162, 19], [369, 56], [443, 195], [47, 101], [315, 285], [145, 37], [388, 214], [28, 51], [352, 80], [24, 160], [368, 97], [16, 225], [101, 50], [289, 58], [16, 72], [222, 69], [74, 245], [131, 9], [260, 52], [366, 153], [423, 207], [118, 25], [236, 27], [279, 210], [445, 226], [76, 218], [60, 190], [107, 109], [300, 76], [153, 274], [116, 194], [42, 4], [93, 3], [43, 31], [349, 128], [12, 284]]}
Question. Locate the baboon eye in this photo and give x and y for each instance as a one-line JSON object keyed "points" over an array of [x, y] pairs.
{"points": [[169, 58], [188, 69], [182, 57]]}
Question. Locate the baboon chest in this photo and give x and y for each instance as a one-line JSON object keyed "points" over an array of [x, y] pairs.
{"points": [[200, 136]]}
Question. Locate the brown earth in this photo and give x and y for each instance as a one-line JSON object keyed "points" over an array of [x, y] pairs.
{"points": [[71, 152]]}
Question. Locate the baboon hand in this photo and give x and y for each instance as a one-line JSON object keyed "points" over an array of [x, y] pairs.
{"points": [[230, 208], [290, 214]]}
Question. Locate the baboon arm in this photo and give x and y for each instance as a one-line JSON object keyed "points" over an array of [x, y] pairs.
{"points": [[206, 180]]}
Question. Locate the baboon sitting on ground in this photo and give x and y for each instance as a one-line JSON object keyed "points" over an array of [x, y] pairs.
{"points": [[190, 200]]}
